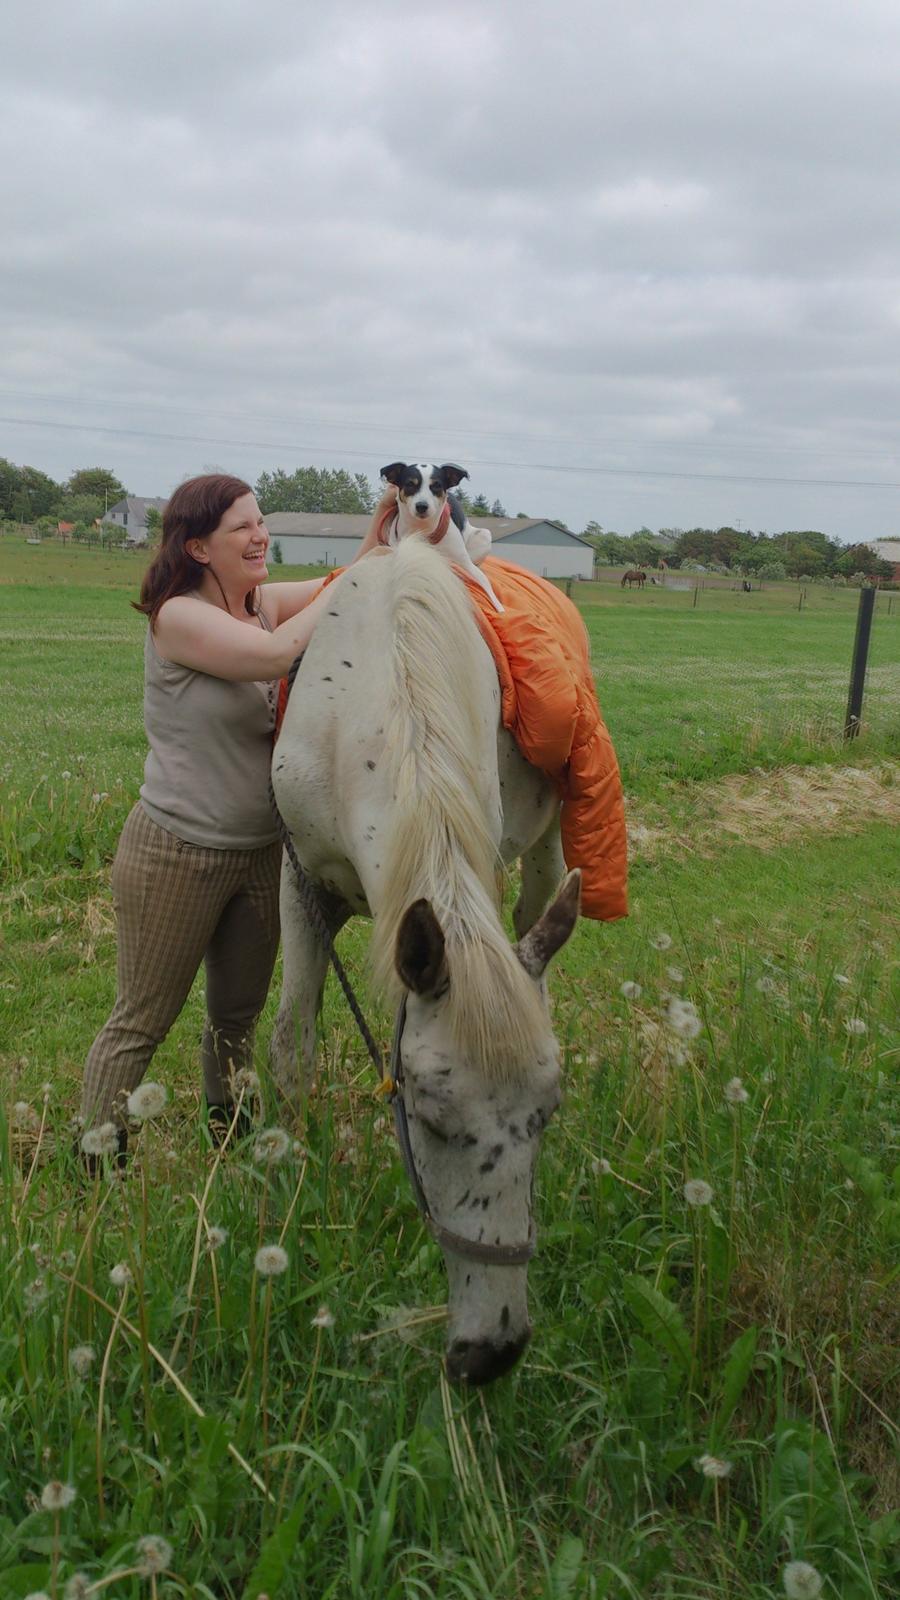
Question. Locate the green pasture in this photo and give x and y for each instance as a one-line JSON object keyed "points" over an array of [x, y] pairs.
{"points": [[278, 1451]]}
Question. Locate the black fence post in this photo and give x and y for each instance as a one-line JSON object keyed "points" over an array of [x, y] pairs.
{"points": [[860, 657]]}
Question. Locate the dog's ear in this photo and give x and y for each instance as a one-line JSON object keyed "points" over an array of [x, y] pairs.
{"points": [[394, 473], [451, 475]]}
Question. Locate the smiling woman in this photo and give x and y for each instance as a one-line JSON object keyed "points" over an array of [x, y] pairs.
{"points": [[196, 873]]}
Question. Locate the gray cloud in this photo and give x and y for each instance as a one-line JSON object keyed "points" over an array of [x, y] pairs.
{"points": [[577, 250]]}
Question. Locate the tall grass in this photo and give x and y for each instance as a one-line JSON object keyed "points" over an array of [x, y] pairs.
{"points": [[711, 1390]]}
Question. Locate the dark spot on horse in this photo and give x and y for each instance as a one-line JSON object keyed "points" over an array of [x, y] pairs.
{"points": [[333, 613], [468, 1141], [370, 765], [474, 1204], [327, 680], [487, 1166], [468, 1279], [354, 583], [279, 766], [346, 663], [504, 1318], [496, 1151], [534, 1123], [464, 1198], [485, 1202]]}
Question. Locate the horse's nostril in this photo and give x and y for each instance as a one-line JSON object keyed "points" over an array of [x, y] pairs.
{"points": [[482, 1362]]}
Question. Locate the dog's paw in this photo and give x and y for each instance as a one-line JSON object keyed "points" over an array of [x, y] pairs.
{"points": [[478, 543]]}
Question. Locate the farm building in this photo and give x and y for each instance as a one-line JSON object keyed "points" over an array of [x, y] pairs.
{"points": [[130, 515], [888, 550], [531, 542]]}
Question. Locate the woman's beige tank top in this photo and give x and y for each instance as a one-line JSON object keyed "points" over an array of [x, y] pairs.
{"points": [[206, 776]]}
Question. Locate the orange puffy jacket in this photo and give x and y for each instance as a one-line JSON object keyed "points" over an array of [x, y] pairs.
{"points": [[549, 705]]}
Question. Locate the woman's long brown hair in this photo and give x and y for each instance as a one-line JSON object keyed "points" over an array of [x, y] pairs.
{"points": [[194, 512]]}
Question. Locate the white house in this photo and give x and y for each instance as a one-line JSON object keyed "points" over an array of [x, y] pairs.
{"points": [[317, 539], [130, 516]]}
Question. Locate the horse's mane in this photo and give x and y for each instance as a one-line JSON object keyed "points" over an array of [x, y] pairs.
{"points": [[440, 845]]}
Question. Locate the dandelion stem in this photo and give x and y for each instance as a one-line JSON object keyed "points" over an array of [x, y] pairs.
{"points": [[117, 1314], [173, 1378]]}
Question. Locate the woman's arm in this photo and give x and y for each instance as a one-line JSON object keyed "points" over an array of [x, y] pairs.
{"points": [[200, 636], [283, 600]]}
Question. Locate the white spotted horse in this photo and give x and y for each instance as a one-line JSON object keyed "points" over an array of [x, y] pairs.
{"points": [[403, 794]]}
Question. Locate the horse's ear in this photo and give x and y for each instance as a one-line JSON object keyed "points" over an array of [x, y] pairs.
{"points": [[394, 472], [420, 956], [451, 475], [539, 945]]}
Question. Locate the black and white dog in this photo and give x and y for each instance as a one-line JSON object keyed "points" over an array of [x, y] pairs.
{"points": [[426, 506]]}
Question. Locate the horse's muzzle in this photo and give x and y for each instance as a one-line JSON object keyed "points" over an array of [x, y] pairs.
{"points": [[480, 1361]]}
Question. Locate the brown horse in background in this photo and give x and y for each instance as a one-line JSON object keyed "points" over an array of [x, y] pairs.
{"points": [[633, 576]]}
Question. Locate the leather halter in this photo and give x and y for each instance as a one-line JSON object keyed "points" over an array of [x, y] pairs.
{"points": [[492, 1255]]}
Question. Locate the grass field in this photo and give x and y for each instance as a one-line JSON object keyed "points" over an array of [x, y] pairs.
{"points": [[712, 1390]]}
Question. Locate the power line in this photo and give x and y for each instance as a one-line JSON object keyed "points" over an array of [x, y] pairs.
{"points": [[584, 470], [520, 435]]}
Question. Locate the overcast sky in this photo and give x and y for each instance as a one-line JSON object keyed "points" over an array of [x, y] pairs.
{"points": [[638, 265]]}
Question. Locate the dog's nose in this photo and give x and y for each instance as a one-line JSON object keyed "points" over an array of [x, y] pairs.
{"points": [[421, 508]]}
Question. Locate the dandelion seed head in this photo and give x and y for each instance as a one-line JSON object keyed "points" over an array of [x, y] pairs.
{"points": [[841, 978], [682, 1018], [272, 1145], [246, 1080], [674, 974], [55, 1496], [713, 1466], [735, 1093], [154, 1554], [697, 1192], [215, 1238], [600, 1167], [661, 941], [147, 1101], [23, 1116], [765, 984], [270, 1260], [855, 1027], [323, 1318], [81, 1359], [120, 1275], [102, 1141], [38, 1594], [631, 990], [35, 1293], [77, 1587], [801, 1581]]}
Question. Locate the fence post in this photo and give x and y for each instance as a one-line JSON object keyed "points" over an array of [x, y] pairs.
{"points": [[860, 657], [696, 592]]}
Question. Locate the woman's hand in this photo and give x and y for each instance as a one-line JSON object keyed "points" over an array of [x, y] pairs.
{"points": [[382, 512]]}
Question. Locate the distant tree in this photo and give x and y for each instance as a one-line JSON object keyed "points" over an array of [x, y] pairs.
{"points": [[498, 510], [79, 507], [610, 548], [9, 487], [859, 558], [99, 482], [774, 570], [695, 544], [592, 530], [153, 522], [36, 496], [315, 489], [480, 506], [277, 557], [521, 513]]}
